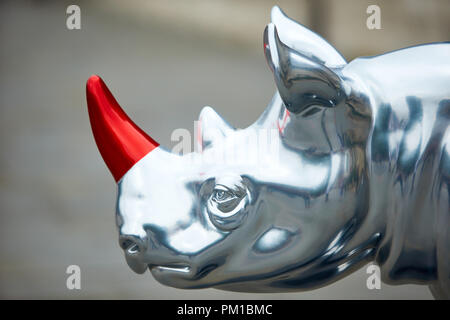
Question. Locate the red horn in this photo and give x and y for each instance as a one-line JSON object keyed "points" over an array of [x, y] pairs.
{"points": [[120, 141]]}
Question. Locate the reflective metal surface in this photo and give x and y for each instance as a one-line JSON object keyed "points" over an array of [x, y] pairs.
{"points": [[355, 169]]}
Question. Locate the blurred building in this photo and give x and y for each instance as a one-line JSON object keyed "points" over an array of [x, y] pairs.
{"points": [[403, 22]]}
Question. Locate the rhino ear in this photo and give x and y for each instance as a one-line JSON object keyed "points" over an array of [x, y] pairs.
{"points": [[212, 127], [305, 41], [301, 81]]}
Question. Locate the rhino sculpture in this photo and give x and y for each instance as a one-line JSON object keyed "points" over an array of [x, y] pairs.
{"points": [[361, 174]]}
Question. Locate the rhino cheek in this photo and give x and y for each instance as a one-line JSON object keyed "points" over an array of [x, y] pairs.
{"points": [[193, 239], [274, 239]]}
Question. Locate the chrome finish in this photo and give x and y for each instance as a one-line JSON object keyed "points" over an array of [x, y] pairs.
{"points": [[301, 39], [301, 81], [361, 173]]}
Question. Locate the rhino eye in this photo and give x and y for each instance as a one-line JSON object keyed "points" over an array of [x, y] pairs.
{"points": [[221, 195], [226, 206]]}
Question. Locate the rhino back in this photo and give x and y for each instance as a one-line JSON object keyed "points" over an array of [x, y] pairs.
{"points": [[423, 71]]}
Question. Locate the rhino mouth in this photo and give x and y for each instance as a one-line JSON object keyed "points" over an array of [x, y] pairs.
{"points": [[160, 269], [176, 267]]}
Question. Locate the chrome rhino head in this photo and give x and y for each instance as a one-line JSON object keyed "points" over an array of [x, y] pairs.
{"points": [[297, 220]]}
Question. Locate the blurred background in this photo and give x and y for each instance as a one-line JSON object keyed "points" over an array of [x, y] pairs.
{"points": [[163, 60]]}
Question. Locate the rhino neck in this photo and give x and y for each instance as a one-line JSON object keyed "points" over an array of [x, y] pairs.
{"points": [[408, 200], [405, 193]]}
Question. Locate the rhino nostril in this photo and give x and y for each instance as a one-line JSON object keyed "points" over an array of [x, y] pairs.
{"points": [[124, 244], [131, 246], [133, 249]]}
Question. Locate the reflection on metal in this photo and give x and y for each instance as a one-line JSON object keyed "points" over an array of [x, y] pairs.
{"points": [[362, 174]]}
